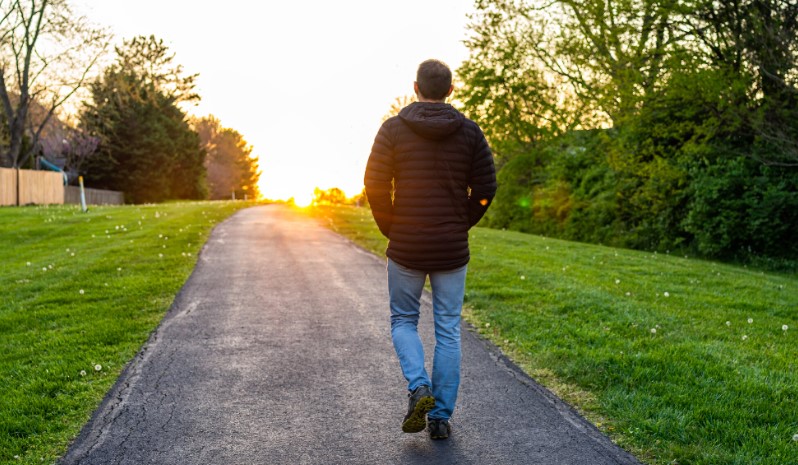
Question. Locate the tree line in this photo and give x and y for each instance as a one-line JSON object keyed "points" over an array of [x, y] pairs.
{"points": [[667, 125], [130, 130]]}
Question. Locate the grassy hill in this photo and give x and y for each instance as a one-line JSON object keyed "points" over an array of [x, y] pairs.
{"points": [[680, 361]]}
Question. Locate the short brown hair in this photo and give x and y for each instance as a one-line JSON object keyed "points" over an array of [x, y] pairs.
{"points": [[434, 79]]}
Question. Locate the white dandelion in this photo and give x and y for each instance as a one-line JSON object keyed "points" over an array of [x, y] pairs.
{"points": [[653, 330], [728, 323], [784, 327], [750, 320], [81, 292], [745, 337], [82, 372], [617, 281], [666, 294], [523, 277], [98, 367], [27, 264]]}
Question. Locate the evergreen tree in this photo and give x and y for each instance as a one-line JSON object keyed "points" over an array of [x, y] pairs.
{"points": [[147, 148]]}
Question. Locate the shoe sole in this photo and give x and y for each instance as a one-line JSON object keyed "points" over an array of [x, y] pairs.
{"points": [[417, 421]]}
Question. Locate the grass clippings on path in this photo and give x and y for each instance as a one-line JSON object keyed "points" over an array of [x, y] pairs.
{"points": [[79, 295], [680, 361]]}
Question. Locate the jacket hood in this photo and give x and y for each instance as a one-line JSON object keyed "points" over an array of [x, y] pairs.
{"points": [[432, 120]]}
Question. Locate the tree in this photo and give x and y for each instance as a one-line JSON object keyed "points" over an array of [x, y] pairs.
{"points": [[147, 148], [46, 53], [331, 196], [232, 169], [398, 104], [751, 43]]}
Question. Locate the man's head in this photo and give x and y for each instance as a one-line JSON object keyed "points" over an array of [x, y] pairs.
{"points": [[433, 81]]}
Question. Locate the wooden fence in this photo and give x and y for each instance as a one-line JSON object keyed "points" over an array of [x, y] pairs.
{"points": [[39, 187], [47, 187], [93, 196]]}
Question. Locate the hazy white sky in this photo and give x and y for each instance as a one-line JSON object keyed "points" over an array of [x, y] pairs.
{"points": [[305, 82]]}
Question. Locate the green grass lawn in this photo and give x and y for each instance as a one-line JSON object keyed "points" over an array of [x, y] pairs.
{"points": [[679, 360], [79, 295]]}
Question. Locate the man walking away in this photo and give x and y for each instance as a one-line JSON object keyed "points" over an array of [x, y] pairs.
{"points": [[430, 178]]}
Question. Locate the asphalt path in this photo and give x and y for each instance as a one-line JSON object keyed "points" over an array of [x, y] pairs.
{"points": [[277, 351]]}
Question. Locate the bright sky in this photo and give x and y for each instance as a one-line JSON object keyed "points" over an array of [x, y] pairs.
{"points": [[305, 82]]}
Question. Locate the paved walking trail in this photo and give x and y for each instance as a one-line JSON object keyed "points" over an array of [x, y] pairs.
{"points": [[277, 351]]}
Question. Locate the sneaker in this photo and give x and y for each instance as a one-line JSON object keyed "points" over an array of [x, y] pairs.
{"points": [[439, 429], [421, 402]]}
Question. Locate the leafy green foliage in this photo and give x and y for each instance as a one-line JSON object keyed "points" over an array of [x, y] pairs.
{"points": [[739, 208], [79, 295], [697, 147], [678, 360], [147, 148]]}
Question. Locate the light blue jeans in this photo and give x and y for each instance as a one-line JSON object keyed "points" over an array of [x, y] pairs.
{"points": [[404, 287]]}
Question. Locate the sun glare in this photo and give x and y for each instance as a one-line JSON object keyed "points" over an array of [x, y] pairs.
{"points": [[303, 200]]}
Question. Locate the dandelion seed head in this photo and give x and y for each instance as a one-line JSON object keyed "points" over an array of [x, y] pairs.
{"points": [[653, 330], [27, 264], [784, 327], [523, 277], [795, 437], [728, 323], [160, 255], [44, 268], [487, 325], [745, 336], [82, 372], [98, 367], [628, 294], [617, 281], [750, 320], [72, 254], [666, 294], [81, 292], [119, 269]]}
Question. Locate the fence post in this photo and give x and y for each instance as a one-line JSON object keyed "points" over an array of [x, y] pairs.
{"points": [[82, 195], [17, 185]]}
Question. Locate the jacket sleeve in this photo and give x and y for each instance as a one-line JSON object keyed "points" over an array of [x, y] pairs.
{"points": [[379, 180], [482, 180]]}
